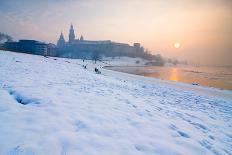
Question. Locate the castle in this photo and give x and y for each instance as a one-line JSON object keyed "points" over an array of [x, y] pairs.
{"points": [[85, 49]]}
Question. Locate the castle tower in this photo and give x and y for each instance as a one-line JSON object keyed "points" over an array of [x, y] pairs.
{"points": [[81, 38], [71, 34], [61, 41]]}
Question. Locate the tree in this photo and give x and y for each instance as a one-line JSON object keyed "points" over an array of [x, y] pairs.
{"points": [[5, 37], [96, 55]]}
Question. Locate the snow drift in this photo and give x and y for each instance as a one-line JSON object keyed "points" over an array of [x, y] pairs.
{"points": [[55, 106]]}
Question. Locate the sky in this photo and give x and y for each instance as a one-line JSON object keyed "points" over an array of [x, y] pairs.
{"points": [[203, 28]]}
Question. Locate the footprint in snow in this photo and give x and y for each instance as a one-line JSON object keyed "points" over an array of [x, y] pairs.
{"points": [[22, 99], [206, 144], [80, 125], [134, 106], [199, 126], [179, 132], [183, 134], [127, 102], [140, 113], [211, 137], [20, 150]]}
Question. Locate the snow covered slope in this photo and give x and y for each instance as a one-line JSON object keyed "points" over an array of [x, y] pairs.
{"points": [[51, 106]]}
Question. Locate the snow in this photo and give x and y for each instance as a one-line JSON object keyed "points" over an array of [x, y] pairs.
{"points": [[124, 61], [55, 106]]}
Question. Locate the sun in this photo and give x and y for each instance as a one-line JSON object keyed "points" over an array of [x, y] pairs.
{"points": [[177, 45]]}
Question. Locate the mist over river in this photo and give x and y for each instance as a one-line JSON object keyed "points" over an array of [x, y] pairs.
{"points": [[218, 77]]}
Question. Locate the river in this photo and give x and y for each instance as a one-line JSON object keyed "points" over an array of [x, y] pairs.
{"points": [[218, 77]]}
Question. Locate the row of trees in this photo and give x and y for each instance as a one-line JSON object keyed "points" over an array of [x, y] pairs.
{"points": [[5, 37], [156, 60]]}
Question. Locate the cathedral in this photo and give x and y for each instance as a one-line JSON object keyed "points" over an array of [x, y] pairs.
{"points": [[80, 48]]}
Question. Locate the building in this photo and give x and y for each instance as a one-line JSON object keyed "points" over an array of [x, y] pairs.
{"points": [[32, 47], [51, 50], [2, 46], [61, 41], [11, 46], [80, 48], [27, 46]]}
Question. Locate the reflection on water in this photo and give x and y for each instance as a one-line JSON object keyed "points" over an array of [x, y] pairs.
{"points": [[219, 77], [174, 75]]}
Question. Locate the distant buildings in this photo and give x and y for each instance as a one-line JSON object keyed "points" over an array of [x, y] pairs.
{"points": [[81, 48], [51, 50], [31, 47], [76, 48]]}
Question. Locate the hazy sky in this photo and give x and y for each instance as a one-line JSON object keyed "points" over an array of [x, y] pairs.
{"points": [[202, 27]]}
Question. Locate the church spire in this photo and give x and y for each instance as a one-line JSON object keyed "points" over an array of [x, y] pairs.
{"points": [[81, 38], [71, 34], [61, 41]]}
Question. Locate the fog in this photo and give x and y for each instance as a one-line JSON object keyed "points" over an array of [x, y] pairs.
{"points": [[203, 28]]}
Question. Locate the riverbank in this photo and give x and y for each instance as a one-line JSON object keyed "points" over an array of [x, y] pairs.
{"points": [[214, 77], [55, 106], [201, 90]]}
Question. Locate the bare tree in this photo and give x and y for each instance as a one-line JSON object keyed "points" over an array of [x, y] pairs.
{"points": [[5, 37], [96, 56]]}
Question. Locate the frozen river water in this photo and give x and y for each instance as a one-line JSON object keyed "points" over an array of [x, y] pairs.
{"points": [[218, 77]]}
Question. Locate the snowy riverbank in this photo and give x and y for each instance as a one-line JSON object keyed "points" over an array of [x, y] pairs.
{"points": [[55, 106]]}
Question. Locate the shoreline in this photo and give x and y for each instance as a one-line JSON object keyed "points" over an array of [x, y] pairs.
{"points": [[204, 90]]}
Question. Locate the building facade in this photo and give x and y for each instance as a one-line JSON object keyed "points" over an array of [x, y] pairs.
{"points": [[80, 48], [27, 46]]}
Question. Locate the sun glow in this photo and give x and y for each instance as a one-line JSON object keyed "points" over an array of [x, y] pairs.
{"points": [[177, 45], [174, 75]]}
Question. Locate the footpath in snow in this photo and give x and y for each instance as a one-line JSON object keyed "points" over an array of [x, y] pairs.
{"points": [[55, 106]]}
